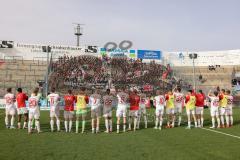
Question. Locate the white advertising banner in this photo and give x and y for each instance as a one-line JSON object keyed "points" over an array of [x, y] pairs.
{"points": [[31, 51], [229, 57]]}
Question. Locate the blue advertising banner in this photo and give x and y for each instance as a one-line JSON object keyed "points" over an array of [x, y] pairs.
{"points": [[149, 54]]}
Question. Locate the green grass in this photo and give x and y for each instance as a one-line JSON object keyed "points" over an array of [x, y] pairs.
{"points": [[170, 144]]}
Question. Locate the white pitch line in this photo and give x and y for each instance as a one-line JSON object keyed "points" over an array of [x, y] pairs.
{"points": [[221, 133]]}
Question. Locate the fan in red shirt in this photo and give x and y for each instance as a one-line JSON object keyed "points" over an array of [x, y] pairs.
{"points": [[134, 107], [200, 98], [69, 100], [21, 107]]}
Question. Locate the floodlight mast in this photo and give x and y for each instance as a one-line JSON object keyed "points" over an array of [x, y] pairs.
{"points": [[78, 31], [193, 56]]}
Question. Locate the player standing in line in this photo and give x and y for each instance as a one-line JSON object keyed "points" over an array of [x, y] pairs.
{"points": [[95, 103], [53, 99], [222, 105], [200, 98], [159, 103], [170, 109], [190, 107], [81, 109], [21, 108], [178, 103], [142, 109], [39, 95], [10, 108], [122, 98], [69, 100], [229, 117], [34, 111], [134, 109], [107, 110], [214, 108]]}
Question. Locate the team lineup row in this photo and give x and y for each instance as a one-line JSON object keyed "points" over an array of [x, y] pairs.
{"points": [[170, 103]]}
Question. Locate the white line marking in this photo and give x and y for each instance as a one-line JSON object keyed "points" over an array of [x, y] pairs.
{"points": [[221, 133]]}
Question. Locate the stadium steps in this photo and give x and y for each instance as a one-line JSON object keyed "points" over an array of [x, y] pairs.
{"points": [[220, 77], [21, 73]]}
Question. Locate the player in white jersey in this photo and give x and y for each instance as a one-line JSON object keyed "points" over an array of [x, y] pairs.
{"points": [[34, 111], [229, 113], [53, 100], [95, 103], [178, 103], [107, 110], [159, 103], [142, 109], [39, 95], [10, 108], [214, 108], [123, 99]]}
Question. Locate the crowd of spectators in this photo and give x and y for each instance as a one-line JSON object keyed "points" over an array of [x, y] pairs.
{"points": [[104, 70]]}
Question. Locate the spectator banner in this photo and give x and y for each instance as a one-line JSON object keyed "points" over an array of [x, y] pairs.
{"points": [[149, 54]]}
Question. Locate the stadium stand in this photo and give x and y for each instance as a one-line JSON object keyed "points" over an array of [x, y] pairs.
{"points": [[205, 78], [17, 72]]}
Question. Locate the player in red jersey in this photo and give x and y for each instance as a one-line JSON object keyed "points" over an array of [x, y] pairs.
{"points": [[200, 98], [10, 108], [134, 107], [69, 100], [21, 108]]}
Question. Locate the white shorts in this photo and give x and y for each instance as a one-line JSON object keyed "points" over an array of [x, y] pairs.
{"points": [[170, 111], [68, 114], [10, 110], [95, 113], [190, 111], [228, 111], [34, 113], [55, 113], [214, 111], [222, 111], [22, 110], [142, 111], [159, 111], [107, 114], [133, 113], [121, 111], [178, 108], [199, 110]]}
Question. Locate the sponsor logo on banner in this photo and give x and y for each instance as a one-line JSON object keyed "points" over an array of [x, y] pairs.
{"points": [[115, 52], [6, 44], [132, 54], [149, 54]]}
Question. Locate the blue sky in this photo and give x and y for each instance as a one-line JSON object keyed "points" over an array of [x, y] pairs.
{"points": [[168, 25]]}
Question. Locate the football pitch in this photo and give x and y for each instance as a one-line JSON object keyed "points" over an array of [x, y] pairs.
{"points": [[171, 144]]}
